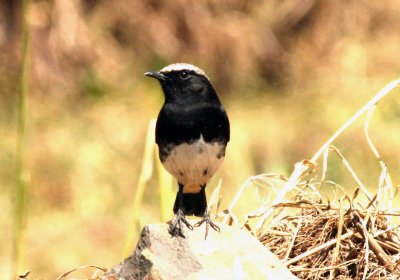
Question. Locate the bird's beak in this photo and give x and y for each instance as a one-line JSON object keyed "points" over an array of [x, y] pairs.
{"points": [[156, 75]]}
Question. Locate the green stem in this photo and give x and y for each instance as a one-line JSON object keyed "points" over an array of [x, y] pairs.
{"points": [[20, 199]]}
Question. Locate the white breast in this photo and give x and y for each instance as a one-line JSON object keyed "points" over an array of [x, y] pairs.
{"points": [[194, 164]]}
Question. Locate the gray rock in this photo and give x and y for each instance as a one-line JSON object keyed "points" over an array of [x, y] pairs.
{"points": [[229, 254]]}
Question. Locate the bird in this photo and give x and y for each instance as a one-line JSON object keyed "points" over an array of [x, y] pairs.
{"points": [[192, 133]]}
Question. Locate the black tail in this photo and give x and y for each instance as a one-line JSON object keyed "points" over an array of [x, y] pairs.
{"points": [[191, 203]]}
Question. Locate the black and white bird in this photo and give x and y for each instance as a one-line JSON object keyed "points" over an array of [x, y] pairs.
{"points": [[192, 132]]}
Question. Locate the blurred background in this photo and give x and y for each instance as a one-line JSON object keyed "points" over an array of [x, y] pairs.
{"points": [[289, 73]]}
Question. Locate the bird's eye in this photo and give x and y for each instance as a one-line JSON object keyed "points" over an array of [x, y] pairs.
{"points": [[184, 75]]}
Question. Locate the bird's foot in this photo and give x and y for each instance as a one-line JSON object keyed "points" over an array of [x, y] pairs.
{"points": [[206, 219], [175, 227]]}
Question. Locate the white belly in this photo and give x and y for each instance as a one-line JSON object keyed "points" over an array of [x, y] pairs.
{"points": [[194, 164]]}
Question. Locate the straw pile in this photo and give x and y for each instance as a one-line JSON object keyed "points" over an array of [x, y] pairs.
{"points": [[324, 242], [347, 237]]}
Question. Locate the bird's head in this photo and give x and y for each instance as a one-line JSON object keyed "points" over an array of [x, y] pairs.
{"points": [[182, 82]]}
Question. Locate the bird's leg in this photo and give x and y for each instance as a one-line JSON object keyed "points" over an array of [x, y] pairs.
{"points": [[206, 219], [175, 227]]}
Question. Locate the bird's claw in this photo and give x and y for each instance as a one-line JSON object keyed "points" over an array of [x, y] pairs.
{"points": [[206, 219], [175, 227]]}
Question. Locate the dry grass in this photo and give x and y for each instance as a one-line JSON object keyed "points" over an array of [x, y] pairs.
{"points": [[325, 242], [320, 237]]}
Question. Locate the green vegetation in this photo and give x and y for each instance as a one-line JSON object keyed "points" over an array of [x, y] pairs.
{"points": [[20, 198]]}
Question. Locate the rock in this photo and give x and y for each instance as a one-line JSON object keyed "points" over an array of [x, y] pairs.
{"points": [[229, 254]]}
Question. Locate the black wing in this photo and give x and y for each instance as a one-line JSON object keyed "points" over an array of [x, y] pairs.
{"points": [[176, 125]]}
